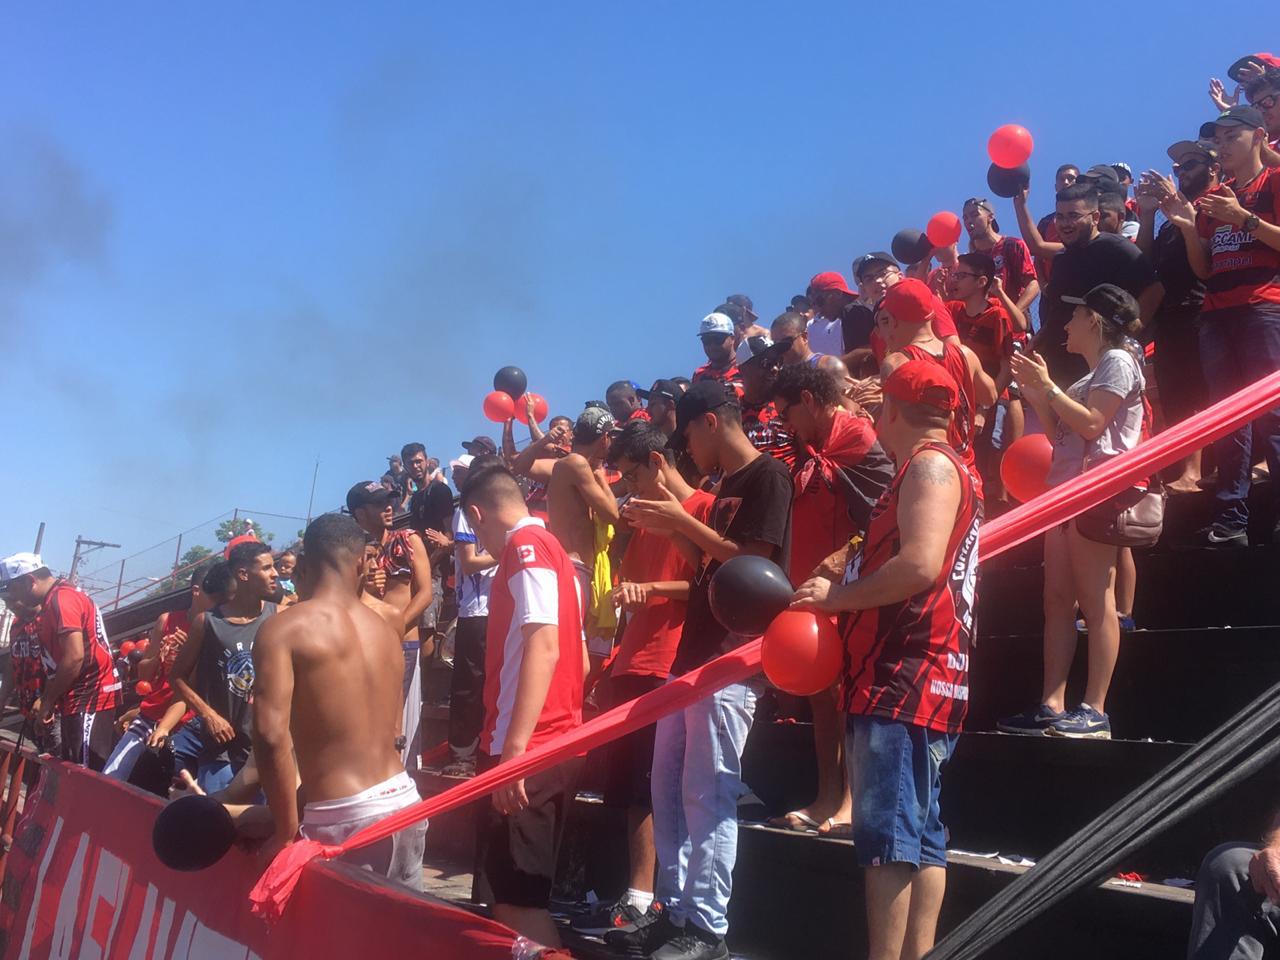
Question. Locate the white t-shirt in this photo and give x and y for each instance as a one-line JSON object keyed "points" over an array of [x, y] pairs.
{"points": [[1117, 372], [473, 588], [826, 336]]}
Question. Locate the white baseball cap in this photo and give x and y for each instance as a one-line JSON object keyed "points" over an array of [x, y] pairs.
{"points": [[715, 323], [463, 461], [19, 565]]}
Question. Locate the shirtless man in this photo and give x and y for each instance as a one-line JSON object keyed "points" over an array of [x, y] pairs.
{"points": [[326, 710], [402, 579], [577, 495]]}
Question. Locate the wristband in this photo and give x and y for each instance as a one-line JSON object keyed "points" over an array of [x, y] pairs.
{"points": [[1053, 391]]}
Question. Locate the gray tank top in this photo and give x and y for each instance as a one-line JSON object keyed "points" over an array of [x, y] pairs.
{"points": [[226, 666]]}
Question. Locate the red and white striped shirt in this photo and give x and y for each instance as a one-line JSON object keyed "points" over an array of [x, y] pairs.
{"points": [[535, 583]]}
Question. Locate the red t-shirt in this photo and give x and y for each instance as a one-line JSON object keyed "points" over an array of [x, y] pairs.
{"points": [[1048, 227], [989, 334], [652, 633], [909, 661], [639, 414], [1245, 270], [731, 376], [28, 665], [535, 583], [97, 687], [155, 703]]}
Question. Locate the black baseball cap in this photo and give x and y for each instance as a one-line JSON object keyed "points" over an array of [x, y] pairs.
{"points": [[744, 302], [1240, 115], [479, 445], [1205, 148], [368, 493], [766, 350], [1268, 62], [876, 256], [1100, 172], [1113, 304], [662, 389], [703, 397]]}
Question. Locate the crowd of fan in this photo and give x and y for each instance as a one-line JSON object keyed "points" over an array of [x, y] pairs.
{"points": [[853, 440]]}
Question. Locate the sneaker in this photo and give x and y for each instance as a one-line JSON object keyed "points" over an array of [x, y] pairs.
{"points": [[1030, 723], [693, 946], [609, 916], [644, 935], [1082, 723], [1220, 535]]}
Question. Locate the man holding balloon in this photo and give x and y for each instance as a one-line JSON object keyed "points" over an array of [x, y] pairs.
{"points": [[909, 594]]}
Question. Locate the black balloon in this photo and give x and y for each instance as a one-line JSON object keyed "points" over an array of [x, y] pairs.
{"points": [[511, 381], [1008, 182], [192, 833], [135, 656], [910, 246], [747, 592]]}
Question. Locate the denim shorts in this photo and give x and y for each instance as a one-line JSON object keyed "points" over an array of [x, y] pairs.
{"points": [[895, 770]]}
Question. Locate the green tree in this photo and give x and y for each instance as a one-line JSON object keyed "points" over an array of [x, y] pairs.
{"points": [[189, 559], [230, 529]]}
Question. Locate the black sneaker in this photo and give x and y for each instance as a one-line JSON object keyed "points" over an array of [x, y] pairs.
{"points": [[644, 935], [608, 916], [461, 767], [1220, 535], [1082, 723], [693, 944], [1030, 723]]}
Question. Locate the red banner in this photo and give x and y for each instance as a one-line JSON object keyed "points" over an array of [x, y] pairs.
{"points": [[82, 882]]}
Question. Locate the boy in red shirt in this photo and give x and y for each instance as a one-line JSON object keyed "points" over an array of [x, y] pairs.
{"points": [[82, 689], [654, 591], [534, 667], [989, 323]]}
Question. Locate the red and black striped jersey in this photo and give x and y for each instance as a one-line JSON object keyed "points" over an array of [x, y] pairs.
{"points": [[28, 667], [909, 661], [960, 433], [730, 376], [97, 686], [768, 434]]}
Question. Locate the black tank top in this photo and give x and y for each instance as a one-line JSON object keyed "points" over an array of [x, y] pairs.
{"points": [[226, 666]]}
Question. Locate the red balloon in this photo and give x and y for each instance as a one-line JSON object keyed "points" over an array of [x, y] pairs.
{"points": [[944, 229], [142, 687], [141, 645], [802, 652], [1010, 146], [1025, 466], [127, 648], [499, 407], [540, 408]]}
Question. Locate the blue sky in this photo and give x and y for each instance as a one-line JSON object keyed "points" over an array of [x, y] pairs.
{"points": [[234, 238]]}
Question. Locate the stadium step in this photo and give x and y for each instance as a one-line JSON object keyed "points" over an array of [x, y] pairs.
{"points": [[1176, 589]]}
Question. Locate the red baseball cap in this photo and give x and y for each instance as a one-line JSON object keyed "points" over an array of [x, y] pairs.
{"points": [[830, 281], [909, 301], [922, 381], [1268, 61]]}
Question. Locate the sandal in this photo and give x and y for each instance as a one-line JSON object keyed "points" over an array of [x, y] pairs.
{"points": [[836, 829], [796, 821]]}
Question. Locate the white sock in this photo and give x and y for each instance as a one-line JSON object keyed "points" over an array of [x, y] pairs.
{"points": [[640, 899]]}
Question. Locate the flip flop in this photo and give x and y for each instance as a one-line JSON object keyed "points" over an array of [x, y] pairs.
{"points": [[840, 830], [788, 822]]}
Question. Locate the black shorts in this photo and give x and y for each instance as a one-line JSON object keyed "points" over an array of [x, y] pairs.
{"points": [[516, 855], [89, 738], [628, 761]]}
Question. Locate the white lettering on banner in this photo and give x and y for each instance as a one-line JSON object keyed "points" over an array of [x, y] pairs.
{"points": [[50, 846], [110, 885], [953, 691], [141, 940], [64, 925]]}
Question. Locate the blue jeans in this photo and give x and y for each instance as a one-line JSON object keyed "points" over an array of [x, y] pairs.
{"points": [[214, 768], [895, 770], [133, 743], [697, 782], [1238, 346]]}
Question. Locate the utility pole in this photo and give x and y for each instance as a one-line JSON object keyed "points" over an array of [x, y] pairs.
{"points": [[39, 539], [312, 500], [83, 549]]}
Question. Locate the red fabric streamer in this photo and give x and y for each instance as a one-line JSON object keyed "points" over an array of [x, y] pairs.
{"points": [[1017, 526]]}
